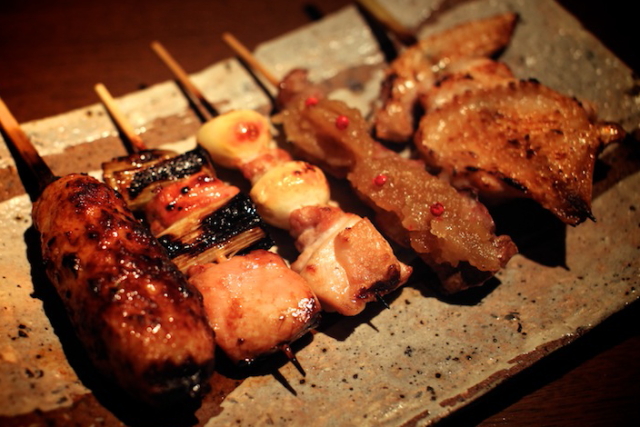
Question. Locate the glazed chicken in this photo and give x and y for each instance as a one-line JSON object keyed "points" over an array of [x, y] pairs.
{"points": [[343, 257], [451, 231], [421, 66], [140, 320]]}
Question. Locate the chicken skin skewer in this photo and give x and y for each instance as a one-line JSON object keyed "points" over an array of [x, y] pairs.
{"points": [[254, 302], [518, 139], [484, 129]]}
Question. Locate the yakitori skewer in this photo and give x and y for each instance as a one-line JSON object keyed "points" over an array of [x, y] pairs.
{"points": [[141, 322], [294, 195], [255, 303], [451, 232], [200, 103]]}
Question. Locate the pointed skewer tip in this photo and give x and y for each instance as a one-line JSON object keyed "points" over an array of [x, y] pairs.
{"points": [[286, 349]]}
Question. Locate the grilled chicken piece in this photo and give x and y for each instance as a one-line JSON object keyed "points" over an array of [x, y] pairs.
{"points": [[518, 138], [255, 304], [418, 68], [181, 198], [197, 217], [451, 232], [344, 258], [140, 320]]}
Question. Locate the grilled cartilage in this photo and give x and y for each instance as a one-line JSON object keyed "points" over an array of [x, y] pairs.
{"points": [[343, 257], [420, 67]]}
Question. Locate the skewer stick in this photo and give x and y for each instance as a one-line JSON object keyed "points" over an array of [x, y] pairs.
{"points": [[382, 301], [286, 349], [19, 140], [382, 15], [198, 100], [249, 58], [133, 139]]}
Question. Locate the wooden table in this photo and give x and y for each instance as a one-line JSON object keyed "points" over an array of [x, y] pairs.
{"points": [[52, 54]]}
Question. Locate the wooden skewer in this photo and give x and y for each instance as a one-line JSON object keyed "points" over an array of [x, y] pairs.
{"points": [[128, 133], [382, 15], [205, 110], [249, 58], [20, 141], [286, 349]]}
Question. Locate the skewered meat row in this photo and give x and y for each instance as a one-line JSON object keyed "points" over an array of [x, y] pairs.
{"points": [[196, 216], [343, 257], [223, 229], [141, 322], [451, 231], [486, 130], [345, 260], [215, 235], [420, 67]]}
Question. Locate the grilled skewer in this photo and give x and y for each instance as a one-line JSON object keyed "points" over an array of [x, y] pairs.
{"points": [[254, 302], [452, 232], [142, 323], [346, 261]]}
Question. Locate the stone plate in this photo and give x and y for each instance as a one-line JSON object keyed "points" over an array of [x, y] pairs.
{"points": [[413, 364]]}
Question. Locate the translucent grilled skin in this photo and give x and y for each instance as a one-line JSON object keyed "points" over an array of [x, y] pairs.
{"points": [[458, 243], [141, 322]]}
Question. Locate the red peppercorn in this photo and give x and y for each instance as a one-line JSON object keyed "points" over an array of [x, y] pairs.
{"points": [[437, 209], [380, 180], [342, 122], [311, 101]]}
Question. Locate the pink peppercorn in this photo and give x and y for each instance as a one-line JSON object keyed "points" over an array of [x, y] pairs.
{"points": [[380, 180], [437, 209], [311, 101], [342, 122]]}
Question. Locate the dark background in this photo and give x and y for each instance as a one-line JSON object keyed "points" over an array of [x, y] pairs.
{"points": [[53, 52]]}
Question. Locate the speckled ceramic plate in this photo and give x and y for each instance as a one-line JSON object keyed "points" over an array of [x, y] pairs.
{"points": [[413, 364]]}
